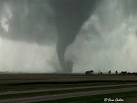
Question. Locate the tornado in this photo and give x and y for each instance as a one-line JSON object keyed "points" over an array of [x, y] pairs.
{"points": [[69, 17]]}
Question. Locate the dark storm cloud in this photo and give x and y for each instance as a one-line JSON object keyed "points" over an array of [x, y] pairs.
{"points": [[44, 21], [32, 20], [70, 15]]}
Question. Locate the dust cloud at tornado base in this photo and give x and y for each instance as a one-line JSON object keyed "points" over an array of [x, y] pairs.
{"points": [[106, 41]]}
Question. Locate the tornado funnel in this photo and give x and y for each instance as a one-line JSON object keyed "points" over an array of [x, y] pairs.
{"points": [[70, 16]]}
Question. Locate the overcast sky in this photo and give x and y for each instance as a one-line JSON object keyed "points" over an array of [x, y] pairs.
{"points": [[106, 41]]}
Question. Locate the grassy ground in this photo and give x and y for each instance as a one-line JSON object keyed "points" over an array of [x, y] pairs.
{"points": [[17, 82], [18, 95], [29, 78], [127, 97], [37, 86], [22, 87]]}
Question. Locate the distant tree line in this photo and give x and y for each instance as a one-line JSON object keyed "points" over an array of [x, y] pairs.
{"points": [[91, 72]]}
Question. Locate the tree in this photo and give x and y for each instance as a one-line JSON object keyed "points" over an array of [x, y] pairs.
{"points": [[89, 72], [116, 72], [123, 73], [109, 72]]}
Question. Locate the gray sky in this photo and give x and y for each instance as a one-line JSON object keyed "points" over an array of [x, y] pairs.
{"points": [[106, 41]]}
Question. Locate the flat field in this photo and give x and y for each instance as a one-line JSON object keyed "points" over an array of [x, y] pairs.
{"points": [[52, 87]]}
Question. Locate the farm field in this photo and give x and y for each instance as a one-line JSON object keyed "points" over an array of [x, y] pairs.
{"points": [[128, 97], [48, 88]]}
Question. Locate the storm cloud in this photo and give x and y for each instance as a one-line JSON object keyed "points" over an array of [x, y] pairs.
{"points": [[68, 35]]}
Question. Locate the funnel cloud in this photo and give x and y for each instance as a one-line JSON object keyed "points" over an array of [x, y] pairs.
{"points": [[69, 17]]}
